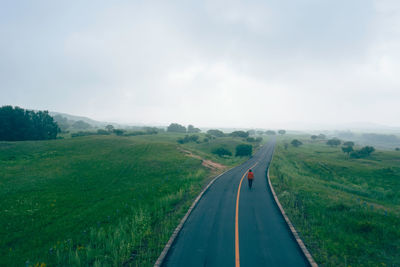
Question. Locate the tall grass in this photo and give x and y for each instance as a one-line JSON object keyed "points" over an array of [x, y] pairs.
{"points": [[92, 201], [346, 210]]}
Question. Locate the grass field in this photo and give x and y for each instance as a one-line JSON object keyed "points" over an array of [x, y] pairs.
{"points": [[346, 210], [97, 200]]}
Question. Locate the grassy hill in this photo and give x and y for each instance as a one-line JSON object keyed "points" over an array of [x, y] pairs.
{"points": [[347, 210], [97, 200]]}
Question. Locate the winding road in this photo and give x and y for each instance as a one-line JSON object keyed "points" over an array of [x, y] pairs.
{"points": [[235, 226]]}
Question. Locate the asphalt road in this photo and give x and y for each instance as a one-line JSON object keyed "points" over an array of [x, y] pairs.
{"points": [[222, 231]]}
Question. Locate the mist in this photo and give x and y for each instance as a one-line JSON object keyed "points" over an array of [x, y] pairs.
{"points": [[267, 64]]}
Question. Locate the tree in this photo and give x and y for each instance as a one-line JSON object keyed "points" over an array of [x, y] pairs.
{"points": [[251, 132], [270, 132], [363, 152], [348, 143], [17, 124], [244, 150], [242, 134], [118, 132], [333, 142], [281, 132], [176, 128], [347, 149], [216, 133], [296, 143], [221, 151], [250, 139], [188, 138], [397, 149], [322, 136], [192, 129], [109, 128], [314, 137]]}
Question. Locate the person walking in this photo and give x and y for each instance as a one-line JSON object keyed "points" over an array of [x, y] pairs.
{"points": [[250, 177]]}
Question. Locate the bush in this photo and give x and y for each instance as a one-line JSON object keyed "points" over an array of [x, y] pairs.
{"points": [[242, 134], [348, 143], [244, 150], [282, 132], [135, 133], [333, 142], [216, 133], [221, 151], [269, 132], [188, 138], [176, 128], [118, 132], [397, 149], [82, 133], [296, 143], [102, 132], [363, 152], [250, 139]]}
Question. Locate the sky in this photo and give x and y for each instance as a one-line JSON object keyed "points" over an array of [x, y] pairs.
{"points": [[211, 63]]}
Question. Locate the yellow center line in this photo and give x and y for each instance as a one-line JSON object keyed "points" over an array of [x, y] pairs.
{"points": [[237, 259]]}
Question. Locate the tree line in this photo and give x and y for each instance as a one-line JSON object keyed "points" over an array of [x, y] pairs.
{"points": [[18, 124]]}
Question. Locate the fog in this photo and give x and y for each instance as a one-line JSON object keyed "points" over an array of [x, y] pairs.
{"points": [[267, 64]]}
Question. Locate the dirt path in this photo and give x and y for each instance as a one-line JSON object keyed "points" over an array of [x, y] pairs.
{"points": [[205, 162]]}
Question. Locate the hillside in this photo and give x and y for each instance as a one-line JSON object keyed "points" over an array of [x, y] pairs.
{"points": [[98, 199], [346, 209]]}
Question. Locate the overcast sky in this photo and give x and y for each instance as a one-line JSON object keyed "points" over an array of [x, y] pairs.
{"points": [[271, 63]]}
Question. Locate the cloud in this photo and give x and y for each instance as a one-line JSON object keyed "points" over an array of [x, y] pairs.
{"points": [[212, 63]]}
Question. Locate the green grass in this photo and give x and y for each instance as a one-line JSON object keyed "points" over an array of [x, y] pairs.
{"points": [[98, 200], [346, 210]]}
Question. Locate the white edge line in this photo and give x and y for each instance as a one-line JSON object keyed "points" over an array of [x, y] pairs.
{"points": [[171, 240], [305, 251]]}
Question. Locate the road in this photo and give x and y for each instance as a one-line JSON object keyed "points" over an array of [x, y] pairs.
{"points": [[231, 229]]}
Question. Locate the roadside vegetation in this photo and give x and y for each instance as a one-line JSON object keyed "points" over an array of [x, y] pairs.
{"points": [[347, 209], [103, 199]]}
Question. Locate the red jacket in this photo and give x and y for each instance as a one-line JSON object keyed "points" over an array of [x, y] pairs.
{"points": [[250, 176]]}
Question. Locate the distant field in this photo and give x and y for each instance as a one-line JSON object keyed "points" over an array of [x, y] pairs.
{"points": [[346, 210], [97, 200]]}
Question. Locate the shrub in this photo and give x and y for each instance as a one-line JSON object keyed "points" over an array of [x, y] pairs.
{"points": [[333, 142], [216, 133], [192, 129], [347, 149], [102, 132], [176, 128], [82, 133], [188, 138], [250, 139], [244, 150], [269, 132], [397, 149], [118, 132], [296, 143], [221, 151], [363, 152], [348, 143], [282, 132], [242, 134]]}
